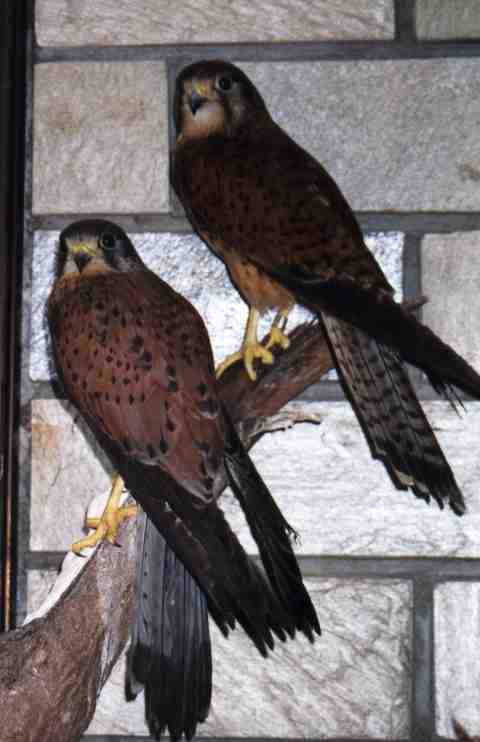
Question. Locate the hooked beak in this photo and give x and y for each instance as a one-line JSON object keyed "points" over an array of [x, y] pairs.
{"points": [[196, 101], [81, 252], [81, 260]]}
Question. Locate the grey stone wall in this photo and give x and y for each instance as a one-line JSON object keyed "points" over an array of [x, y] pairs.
{"points": [[158, 21], [323, 478], [334, 687], [385, 147], [409, 143], [395, 121], [183, 261], [104, 148], [448, 19], [457, 625], [451, 270]]}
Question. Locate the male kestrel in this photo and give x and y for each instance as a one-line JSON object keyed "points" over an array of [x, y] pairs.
{"points": [[135, 359], [286, 234]]}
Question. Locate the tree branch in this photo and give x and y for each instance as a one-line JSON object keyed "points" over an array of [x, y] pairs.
{"points": [[53, 668]]}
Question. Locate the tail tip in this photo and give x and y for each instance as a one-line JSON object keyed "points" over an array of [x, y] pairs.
{"points": [[458, 505]]}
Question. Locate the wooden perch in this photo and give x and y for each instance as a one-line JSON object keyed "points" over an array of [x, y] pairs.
{"points": [[53, 669]]}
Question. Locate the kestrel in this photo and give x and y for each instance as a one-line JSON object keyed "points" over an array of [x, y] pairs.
{"points": [[287, 235], [134, 357]]}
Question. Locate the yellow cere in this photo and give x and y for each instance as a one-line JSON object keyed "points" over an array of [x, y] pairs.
{"points": [[76, 247], [201, 88]]}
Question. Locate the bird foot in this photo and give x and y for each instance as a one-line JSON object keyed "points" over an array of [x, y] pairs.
{"points": [[248, 353], [107, 526], [255, 350], [277, 337], [227, 362]]}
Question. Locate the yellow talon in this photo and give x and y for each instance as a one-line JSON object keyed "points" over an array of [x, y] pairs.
{"points": [[107, 526], [250, 349], [129, 511], [227, 362], [277, 335]]}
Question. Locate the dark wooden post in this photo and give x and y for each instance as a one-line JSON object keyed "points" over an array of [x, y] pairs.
{"points": [[13, 37]]}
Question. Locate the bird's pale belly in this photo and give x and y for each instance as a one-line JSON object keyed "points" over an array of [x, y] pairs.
{"points": [[258, 289]]}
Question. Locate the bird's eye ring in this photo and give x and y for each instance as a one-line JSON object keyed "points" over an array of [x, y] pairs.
{"points": [[225, 83], [107, 241]]}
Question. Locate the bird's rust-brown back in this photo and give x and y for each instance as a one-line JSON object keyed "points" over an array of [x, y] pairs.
{"points": [[136, 358], [264, 200]]}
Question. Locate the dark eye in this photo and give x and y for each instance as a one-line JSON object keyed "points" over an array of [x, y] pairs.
{"points": [[225, 83], [107, 241]]}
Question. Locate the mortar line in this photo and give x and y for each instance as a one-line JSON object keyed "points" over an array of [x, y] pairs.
{"points": [[423, 709], [438, 570], [258, 51], [370, 221], [405, 20]]}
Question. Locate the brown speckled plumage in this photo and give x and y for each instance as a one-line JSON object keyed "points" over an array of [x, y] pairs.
{"points": [[287, 234], [139, 364], [135, 359]]}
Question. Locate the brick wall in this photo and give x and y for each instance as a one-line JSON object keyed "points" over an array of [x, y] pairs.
{"points": [[396, 121]]}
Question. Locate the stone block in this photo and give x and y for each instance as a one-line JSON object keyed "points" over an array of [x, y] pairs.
{"points": [[68, 470], [185, 263], [112, 22], [322, 476], [39, 583], [457, 649], [395, 135], [100, 138], [450, 271], [354, 681], [343, 503], [448, 19]]}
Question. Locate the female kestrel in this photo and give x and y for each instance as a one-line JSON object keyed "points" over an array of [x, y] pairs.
{"points": [[286, 233]]}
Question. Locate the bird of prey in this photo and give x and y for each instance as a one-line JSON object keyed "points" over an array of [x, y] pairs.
{"points": [[134, 357], [287, 235]]}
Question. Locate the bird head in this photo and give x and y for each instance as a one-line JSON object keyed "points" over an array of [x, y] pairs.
{"points": [[215, 98], [95, 245]]}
